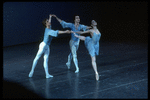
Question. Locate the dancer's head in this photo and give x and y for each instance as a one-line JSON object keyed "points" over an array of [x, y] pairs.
{"points": [[93, 23], [46, 23], [77, 19]]}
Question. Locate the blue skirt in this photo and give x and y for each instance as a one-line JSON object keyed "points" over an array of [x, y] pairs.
{"points": [[93, 48]]}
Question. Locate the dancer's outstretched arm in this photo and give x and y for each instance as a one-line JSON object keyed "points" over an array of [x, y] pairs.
{"points": [[80, 37], [80, 32], [62, 32]]}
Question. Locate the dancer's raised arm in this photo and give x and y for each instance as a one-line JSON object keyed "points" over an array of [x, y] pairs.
{"points": [[49, 20], [57, 18], [63, 23]]}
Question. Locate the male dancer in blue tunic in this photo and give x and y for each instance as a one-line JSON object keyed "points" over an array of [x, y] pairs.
{"points": [[74, 42], [44, 46]]}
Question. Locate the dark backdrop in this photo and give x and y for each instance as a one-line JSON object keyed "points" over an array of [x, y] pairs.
{"points": [[117, 21], [123, 21]]}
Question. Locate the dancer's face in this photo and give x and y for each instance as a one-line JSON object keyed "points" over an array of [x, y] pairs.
{"points": [[77, 19], [93, 23], [47, 23]]}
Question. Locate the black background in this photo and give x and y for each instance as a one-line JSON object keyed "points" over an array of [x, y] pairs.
{"points": [[117, 21]]}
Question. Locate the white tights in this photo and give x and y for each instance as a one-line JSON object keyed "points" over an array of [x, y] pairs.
{"points": [[74, 45], [43, 48], [93, 59]]}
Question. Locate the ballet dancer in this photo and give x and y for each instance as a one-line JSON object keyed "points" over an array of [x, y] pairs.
{"points": [[44, 46], [92, 44], [74, 42]]}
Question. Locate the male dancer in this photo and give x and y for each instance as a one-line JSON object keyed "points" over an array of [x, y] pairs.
{"points": [[44, 46], [74, 42]]}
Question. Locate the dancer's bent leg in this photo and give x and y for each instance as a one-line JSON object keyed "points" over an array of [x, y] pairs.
{"points": [[45, 64], [95, 67], [70, 55], [38, 55], [69, 60]]}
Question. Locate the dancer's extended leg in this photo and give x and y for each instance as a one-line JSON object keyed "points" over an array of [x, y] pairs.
{"points": [[38, 55], [45, 64], [95, 67]]}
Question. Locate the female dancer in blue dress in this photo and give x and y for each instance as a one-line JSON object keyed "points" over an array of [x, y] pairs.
{"points": [[92, 44], [44, 46]]}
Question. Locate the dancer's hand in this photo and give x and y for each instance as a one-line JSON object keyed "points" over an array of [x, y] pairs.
{"points": [[72, 31], [67, 31], [74, 34], [52, 15]]}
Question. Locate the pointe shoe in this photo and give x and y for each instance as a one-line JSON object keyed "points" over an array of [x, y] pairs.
{"points": [[68, 65], [30, 74], [97, 76], [48, 76]]}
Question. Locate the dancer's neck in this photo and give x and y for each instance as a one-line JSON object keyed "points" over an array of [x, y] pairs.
{"points": [[76, 24], [95, 27], [48, 26]]}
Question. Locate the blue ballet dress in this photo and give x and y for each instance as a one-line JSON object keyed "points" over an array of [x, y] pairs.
{"points": [[92, 44]]}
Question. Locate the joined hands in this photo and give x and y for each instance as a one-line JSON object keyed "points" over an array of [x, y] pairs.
{"points": [[69, 31], [52, 15]]}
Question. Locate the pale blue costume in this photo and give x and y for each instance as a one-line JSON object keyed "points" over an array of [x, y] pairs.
{"points": [[92, 44], [74, 42], [44, 48], [49, 34]]}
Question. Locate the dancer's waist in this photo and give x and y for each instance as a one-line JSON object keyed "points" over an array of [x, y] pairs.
{"points": [[44, 43], [74, 38]]}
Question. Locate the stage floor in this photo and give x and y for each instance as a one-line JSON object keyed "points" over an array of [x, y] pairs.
{"points": [[123, 68]]}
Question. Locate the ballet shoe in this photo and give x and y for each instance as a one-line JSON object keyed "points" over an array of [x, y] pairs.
{"points": [[77, 70], [30, 74], [48, 76], [97, 76], [68, 65]]}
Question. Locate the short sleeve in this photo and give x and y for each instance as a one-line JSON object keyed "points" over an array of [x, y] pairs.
{"points": [[53, 33], [83, 27], [65, 24]]}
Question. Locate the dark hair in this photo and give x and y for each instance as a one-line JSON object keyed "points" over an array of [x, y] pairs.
{"points": [[75, 15], [44, 22]]}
